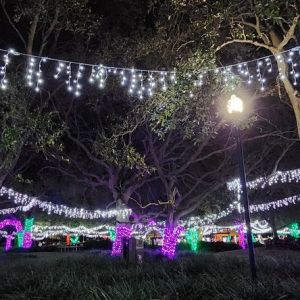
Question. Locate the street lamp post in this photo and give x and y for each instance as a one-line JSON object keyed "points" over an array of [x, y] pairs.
{"points": [[235, 106]]}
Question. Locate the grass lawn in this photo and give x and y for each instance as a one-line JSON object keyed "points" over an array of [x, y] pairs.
{"points": [[205, 276]]}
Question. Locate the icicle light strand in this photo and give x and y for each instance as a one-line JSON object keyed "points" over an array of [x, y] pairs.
{"points": [[142, 82]]}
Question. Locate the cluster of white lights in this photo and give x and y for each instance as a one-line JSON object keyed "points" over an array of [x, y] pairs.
{"points": [[143, 83], [261, 182], [40, 232], [257, 226], [28, 202], [13, 210], [3, 69], [34, 73], [293, 66], [275, 204]]}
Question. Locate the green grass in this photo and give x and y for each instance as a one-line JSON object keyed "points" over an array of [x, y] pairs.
{"points": [[208, 276]]}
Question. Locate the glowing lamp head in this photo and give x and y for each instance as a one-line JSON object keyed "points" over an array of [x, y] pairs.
{"points": [[235, 105]]}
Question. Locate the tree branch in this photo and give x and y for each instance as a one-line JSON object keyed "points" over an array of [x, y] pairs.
{"points": [[50, 30], [86, 150], [255, 43], [290, 33], [12, 23], [284, 152]]}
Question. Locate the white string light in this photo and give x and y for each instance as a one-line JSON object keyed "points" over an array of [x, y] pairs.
{"points": [[77, 84], [137, 77], [69, 80], [275, 204], [39, 76], [28, 203], [141, 89], [259, 76], [47, 231], [293, 65], [261, 182], [59, 69], [3, 69]]}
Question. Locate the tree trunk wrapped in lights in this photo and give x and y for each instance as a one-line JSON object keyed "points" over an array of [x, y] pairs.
{"points": [[171, 235], [122, 231]]}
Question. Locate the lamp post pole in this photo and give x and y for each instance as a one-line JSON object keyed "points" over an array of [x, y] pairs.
{"points": [[246, 204]]}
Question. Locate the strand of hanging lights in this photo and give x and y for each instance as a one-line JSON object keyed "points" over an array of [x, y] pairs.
{"points": [[262, 182], [28, 202], [288, 176], [142, 82]]}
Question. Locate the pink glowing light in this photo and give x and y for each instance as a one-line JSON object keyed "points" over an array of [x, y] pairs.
{"points": [[242, 241], [27, 240], [122, 231], [8, 242], [151, 223], [14, 223], [170, 240], [11, 222]]}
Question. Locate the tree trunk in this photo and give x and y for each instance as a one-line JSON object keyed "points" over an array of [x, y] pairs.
{"points": [[31, 34], [273, 225], [2, 179], [289, 88]]}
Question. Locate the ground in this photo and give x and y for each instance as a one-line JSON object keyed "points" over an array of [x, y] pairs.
{"points": [[94, 276]]}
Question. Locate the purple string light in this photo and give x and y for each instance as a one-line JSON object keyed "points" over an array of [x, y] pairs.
{"points": [[14, 223], [170, 240], [27, 240], [242, 241], [122, 231], [8, 242]]}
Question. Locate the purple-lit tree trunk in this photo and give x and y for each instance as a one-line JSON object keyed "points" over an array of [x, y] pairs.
{"points": [[171, 235], [122, 231], [8, 242], [14, 223], [27, 240], [242, 241]]}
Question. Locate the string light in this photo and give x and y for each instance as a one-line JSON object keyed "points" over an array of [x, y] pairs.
{"points": [[141, 90], [293, 65], [138, 230], [192, 237], [123, 78], [275, 204], [138, 77], [20, 236], [3, 69], [163, 80], [102, 75], [259, 76], [170, 240], [67, 240], [69, 81], [97, 231], [74, 240], [60, 68], [8, 242], [261, 182], [28, 203], [295, 230], [112, 234], [12, 223], [242, 241], [77, 81], [27, 236], [123, 231], [269, 64]]}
